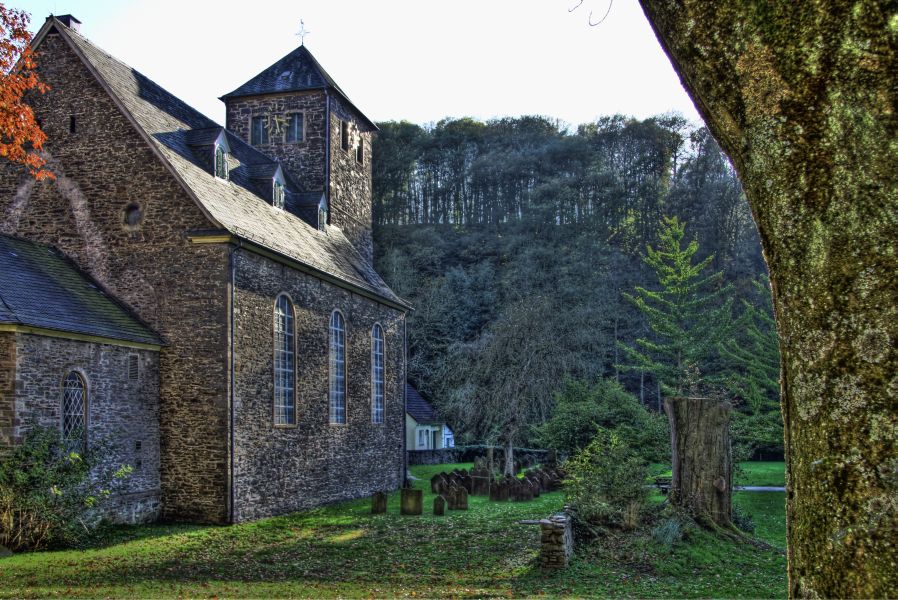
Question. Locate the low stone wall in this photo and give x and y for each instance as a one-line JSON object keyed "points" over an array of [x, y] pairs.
{"points": [[556, 542], [432, 457]]}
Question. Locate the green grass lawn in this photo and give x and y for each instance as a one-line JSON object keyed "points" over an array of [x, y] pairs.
{"points": [[342, 550]]}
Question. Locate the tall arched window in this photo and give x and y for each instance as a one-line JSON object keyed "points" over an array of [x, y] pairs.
{"points": [[338, 368], [284, 363], [377, 374], [74, 412]]}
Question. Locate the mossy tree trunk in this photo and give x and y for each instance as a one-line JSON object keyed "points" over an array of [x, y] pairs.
{"points": [[802, 96], [702, 481]]}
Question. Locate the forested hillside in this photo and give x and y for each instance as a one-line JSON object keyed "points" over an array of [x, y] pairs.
{"points": [[518, 242]]}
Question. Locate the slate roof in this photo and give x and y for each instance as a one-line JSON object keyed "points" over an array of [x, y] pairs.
{"points": [[295, 72], [419, 408], [235, 205], [39, 287]]}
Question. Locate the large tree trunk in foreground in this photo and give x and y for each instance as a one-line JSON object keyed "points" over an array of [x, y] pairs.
{"points": [[702, 481], [802, 96]]}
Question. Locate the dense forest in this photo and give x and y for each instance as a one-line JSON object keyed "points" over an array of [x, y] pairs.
{"points": [[522, 245]]}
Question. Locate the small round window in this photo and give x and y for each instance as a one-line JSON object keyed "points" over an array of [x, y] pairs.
{"points": [[133, 215]]}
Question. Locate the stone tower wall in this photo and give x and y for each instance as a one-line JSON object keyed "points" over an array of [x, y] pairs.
{"points": [[178, 288], [350, 194], [305, 161]]}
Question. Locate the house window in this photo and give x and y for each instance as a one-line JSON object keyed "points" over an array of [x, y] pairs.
{"points": [[360, 151], [344, 135], [295, 128], [338, 368], [284, 364], [259, 134], [277, 195], [221, 163], [377, 374], [74, 412], [422, 439]]}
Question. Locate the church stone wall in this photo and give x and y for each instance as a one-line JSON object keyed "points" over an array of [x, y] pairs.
{"points": [[7, 390], [122, 413], [351, 192], [278, 470], [178, 288], [305, 161]]}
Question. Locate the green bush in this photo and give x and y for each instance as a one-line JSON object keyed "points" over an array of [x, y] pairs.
{"points": [[605, 482], [581, 410], [50, 496]]}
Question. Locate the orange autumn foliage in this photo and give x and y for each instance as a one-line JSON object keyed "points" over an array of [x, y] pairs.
{"points": [[21, 138]]}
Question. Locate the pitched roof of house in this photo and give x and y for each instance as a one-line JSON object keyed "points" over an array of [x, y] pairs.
{"points": [[40, 288], [296, 72], [235, 205], [419, 408]]}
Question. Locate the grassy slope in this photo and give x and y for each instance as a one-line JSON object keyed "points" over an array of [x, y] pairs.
{"points": [[342, 550]]}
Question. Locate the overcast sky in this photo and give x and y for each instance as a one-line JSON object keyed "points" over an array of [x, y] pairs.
{"points": [[418, 60]]}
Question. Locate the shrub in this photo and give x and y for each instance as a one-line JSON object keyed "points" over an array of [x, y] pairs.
{"points": [[668, 532], [50, 496], [582, 410], [605, 482]]}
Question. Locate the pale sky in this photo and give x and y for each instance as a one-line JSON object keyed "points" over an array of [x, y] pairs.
{"points": [[418, 60]]}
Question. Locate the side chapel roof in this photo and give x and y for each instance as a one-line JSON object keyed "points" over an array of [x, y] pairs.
{"points": [[40, 288], [236, 205]]}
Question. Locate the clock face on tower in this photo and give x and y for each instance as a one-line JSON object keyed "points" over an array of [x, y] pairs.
{"points": [[277, 124]]}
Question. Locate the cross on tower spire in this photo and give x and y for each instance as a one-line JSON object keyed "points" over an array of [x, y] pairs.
{"points": [[302, 33]]}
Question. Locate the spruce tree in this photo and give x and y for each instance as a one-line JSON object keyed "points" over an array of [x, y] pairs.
{"points": [[688, 315]]}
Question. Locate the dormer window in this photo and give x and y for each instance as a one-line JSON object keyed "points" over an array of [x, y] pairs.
{"points": [[277, 194], [322, 215], [221, 162]]}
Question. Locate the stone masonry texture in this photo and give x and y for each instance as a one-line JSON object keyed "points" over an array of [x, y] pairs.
{"points": [[288, 468], [178, 288], [349, 196], [122, 413]]}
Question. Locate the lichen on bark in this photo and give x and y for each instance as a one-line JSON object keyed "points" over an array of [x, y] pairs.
{"points": [[802, 97]]}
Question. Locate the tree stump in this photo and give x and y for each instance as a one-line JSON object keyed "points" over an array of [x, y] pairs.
{"points": [[702, 481], [411, 502], [378, 503]]}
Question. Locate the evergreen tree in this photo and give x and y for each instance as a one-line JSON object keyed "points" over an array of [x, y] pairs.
{"points": [[687, 316], [753, 371]]}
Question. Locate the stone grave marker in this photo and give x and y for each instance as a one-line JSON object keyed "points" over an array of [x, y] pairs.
{"points": [[411, 502], [378, 503], [439, 506]]}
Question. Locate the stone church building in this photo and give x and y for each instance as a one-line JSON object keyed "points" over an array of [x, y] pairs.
{"points": [[202, 297]]}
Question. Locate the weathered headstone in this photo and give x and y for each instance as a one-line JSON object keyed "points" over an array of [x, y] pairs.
{"points": [[411, 502], [552, 458], [461, 499], [439, 506], [378, 503]]}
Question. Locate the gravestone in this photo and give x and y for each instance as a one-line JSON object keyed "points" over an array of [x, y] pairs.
{"points": [[439, 506], [467, 482], [461, 499], [452, 497], [436, 482], [411, 502], [378, 503]]}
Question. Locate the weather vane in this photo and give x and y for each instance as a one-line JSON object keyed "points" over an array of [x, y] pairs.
{"points": [[302, 33]]}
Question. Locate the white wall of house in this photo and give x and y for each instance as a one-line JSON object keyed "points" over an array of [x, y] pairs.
{"points": [[423, 436]]}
